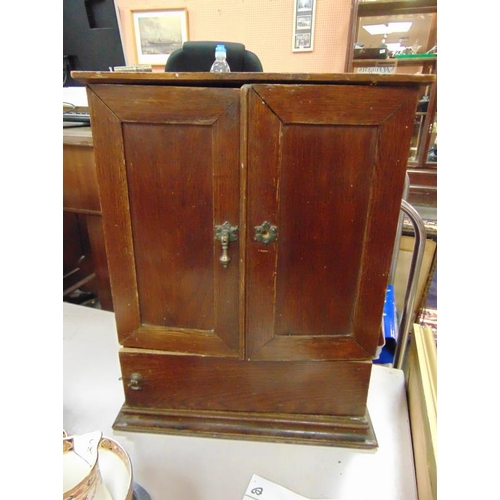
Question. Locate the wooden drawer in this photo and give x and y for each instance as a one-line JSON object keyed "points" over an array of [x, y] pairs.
{"points": [[293, 401]]}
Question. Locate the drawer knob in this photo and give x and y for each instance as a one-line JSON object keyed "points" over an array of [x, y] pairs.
{"points": [[135, 382]]}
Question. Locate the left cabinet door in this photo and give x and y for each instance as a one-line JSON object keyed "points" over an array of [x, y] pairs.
{"points": [[168, 170]]}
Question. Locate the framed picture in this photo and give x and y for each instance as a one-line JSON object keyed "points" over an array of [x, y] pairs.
{"points": [[303, 25], [157, 33]]}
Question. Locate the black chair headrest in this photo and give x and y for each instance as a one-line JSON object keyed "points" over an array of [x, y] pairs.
{"points": [[199, 56]]}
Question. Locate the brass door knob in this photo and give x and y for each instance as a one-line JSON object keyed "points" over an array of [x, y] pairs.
{"points": [[266, 233]]}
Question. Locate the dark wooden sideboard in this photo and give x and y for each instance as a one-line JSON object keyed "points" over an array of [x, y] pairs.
{"points": [[249, 221], [85, 263]]}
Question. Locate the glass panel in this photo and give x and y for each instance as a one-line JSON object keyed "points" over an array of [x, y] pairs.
{"points": [[415, 139], [401, 37], [396, 33], [432, 153]]}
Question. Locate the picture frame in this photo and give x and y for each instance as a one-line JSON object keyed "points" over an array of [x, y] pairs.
{"points": [[157, 33], [303, 25]]}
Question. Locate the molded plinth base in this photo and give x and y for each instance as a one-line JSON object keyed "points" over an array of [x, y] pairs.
{"points": [[351, 432]]}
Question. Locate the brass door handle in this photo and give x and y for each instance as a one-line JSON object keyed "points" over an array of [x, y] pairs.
{"points": [[225, 233]]}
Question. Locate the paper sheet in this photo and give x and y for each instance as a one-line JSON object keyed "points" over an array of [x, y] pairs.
{"points": [[263, 489]]}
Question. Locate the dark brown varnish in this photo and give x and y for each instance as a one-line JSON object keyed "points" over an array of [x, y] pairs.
{"points": [[278, 345]]}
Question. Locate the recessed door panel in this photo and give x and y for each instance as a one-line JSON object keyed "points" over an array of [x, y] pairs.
{"points": [[323, 204], [171, 204]]}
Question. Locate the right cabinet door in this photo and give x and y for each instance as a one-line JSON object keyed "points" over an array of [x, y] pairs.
{"points": [[325, 169]]}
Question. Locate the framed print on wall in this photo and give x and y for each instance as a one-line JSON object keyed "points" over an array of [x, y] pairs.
{"points": [[157, 33], [303, 26]]}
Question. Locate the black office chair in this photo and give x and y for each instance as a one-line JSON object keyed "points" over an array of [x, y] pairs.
{"points": [[199, 56]]}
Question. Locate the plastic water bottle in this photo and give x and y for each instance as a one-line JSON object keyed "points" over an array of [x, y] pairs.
{"points": [[220, 64]]}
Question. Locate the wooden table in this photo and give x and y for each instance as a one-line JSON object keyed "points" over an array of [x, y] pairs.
{"points": [[85, 262]]}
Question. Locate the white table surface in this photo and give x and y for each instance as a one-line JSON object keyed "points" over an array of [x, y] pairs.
{"points": [[76, 96], [193, 468]]}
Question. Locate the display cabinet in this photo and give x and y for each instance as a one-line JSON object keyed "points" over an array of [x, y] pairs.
{"points": [[407, 32], [249, 221]]}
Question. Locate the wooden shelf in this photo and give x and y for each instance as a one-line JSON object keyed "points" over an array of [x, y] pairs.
{"points": [[412, 61]]}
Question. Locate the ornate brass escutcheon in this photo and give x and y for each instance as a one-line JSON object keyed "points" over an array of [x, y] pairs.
{"points": [[266, 233], [225, 233]]}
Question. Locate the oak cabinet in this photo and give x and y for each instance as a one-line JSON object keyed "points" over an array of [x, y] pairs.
{"points": [[249, 222]]}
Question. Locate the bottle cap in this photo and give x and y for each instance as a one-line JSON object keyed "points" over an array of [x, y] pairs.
{"points": [[220, 49]]}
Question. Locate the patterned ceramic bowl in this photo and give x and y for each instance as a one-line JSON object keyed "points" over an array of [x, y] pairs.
{"points": [[116, 469], [81, 471], [95, 468]]}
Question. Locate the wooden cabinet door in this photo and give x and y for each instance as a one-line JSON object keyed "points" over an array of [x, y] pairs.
{"points": [[168, 167], [325, 166]]}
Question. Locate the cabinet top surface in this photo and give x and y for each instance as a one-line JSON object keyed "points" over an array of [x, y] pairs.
{"points": [[238, 79]]}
